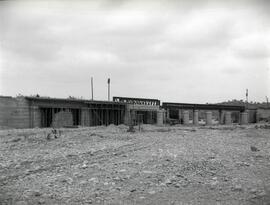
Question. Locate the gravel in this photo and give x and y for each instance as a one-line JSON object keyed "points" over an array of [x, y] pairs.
{"points": [[157, 165]]}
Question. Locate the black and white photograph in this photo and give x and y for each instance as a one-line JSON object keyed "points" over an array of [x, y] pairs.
{"points": [[134, 102]]}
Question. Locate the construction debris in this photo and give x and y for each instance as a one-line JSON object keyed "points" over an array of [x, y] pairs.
{"points": [[265, 126], [54, 134], [254, 149]]}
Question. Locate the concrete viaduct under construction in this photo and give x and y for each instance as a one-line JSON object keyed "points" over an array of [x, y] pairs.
{"points": [[31, 112]]}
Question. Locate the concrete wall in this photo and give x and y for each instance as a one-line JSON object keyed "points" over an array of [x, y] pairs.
{"points": [[252, 116], [14, 112], [62, 118], [35, 117], [263, 114]]}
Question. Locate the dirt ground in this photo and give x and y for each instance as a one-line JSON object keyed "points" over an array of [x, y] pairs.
{"points": [[157, 165]]}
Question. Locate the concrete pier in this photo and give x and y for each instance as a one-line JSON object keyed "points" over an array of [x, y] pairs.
{"points": [[228, 118], [133, 117], [160, 115], [127, 118], [149, 117], [244, 118], [221, 117], [185, 117], [167, 113], [208, 119], [179, 115], [258, 117], [195, 117]]}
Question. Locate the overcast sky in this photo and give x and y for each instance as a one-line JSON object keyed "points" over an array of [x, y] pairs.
{"points": [[176, 51]]}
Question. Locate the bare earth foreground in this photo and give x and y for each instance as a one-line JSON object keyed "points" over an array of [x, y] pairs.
{"points": [[158, 165]]}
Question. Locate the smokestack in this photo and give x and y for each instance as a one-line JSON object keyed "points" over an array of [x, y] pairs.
{"points": [[92, 89], [109, 81]]}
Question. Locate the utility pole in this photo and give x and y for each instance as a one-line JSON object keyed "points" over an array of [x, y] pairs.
{"points": [[247, 95], [109, 81], [92, 89], [247, 98]]}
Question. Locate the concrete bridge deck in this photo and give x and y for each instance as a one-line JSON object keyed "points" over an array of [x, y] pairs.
{"points": [[169, 105]]}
